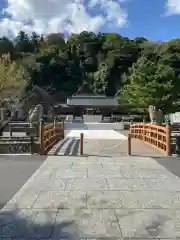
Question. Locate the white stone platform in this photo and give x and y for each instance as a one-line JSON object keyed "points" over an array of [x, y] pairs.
{"points": [[97, 134], [93, 126]]}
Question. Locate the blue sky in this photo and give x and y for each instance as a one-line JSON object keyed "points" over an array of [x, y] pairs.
{"points": [[147, 18]]}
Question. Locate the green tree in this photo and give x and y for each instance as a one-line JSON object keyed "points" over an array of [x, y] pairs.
{"points": [[13, 79], [56, 39], [169, 54], [6, 46], [23, 43], [143, 72], [150, 83]]}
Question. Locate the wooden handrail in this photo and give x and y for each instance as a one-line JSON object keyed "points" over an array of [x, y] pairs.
{"points": [[155, 135], [50, 134]]}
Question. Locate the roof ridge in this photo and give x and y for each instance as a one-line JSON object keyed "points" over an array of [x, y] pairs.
{"points": [[85, 89]]}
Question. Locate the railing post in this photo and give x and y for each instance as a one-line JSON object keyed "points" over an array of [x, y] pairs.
{"points": [[10, 129], [54, 128], [31, 144], [62, 126], [144, 129], [81, 143], [41, 128], [129, 144], [168, 138]]}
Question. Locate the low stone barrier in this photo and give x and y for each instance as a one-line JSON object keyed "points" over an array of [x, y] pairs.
{"points": [[17, 145]]}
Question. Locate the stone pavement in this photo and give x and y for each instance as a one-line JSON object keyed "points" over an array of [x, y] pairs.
{"points": [[70, 144], [118, 148], [95, 198], [102, 143]]}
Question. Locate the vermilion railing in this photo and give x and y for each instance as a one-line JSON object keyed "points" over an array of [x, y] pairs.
{"points": [[155, 135], [50, 134]]}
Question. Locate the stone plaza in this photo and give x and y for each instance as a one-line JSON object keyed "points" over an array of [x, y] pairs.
{"points": [[95, 197]]}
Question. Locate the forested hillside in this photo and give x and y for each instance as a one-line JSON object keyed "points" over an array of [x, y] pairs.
{"points": [[139, 72]]}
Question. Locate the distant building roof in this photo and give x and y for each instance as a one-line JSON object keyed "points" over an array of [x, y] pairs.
{"points": [[62, 105], [44, 95], [84, 90], [60, 97], [96, 101], [85, 97]]}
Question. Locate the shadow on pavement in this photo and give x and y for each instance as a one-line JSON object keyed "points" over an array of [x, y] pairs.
{"points": [[34, 224], [55, 225]]}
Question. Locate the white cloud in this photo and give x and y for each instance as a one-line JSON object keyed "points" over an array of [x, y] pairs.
{"points": [[112, 9], [71, 16], [173, 7]]}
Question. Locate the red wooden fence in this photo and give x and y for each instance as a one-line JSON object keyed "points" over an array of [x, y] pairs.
{"points": [[50, 134], [157, 136]]}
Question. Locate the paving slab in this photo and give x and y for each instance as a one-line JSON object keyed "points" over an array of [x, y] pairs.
{"points": [[147, 223], [95, 197], [88, 223]]}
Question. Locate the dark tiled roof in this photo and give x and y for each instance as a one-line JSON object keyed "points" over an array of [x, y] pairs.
{"points": [[36, 89], [84, 90], [90, 101], [60, 96]]}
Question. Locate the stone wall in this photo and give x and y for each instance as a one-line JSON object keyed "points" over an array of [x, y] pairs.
{"points": [[174, 117]]}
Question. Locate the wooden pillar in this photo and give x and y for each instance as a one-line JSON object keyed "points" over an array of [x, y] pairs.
{"points": [[81, 143], [63, 127], [129, 144], [168, 139]]}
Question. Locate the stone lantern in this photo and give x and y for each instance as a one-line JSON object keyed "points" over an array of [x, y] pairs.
{"points": [[152, 113]]}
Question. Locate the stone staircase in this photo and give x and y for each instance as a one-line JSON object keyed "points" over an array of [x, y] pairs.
{"points": [[65, 147]]}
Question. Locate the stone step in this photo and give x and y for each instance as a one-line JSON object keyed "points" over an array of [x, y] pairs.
{"points": [[57, 147], [73, 146], [65, 147]]}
